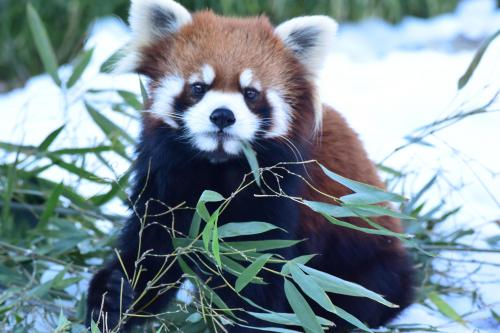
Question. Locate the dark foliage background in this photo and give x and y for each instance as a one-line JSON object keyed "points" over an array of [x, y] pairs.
{"points": [[68, 21]]}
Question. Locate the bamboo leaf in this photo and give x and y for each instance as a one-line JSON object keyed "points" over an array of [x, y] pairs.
{"points": [[50, 139], [364, 193], [251, 157], [265, 245], [201, 209], [107, 126], [215, 244], [336, 285], [251, 272], [300, 307], [354, 210], [194, 228], [80, 172], [311, 288], [80, 67], [235, 229], [144, 94], [445, 308], [207, 232], [109, 64], [130, 99], [286, 318], [476, 60], [42, 43], [50, 206], [376, 230], [82, 151], [351, 319]]}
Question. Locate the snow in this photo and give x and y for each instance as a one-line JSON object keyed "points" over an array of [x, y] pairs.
{"points": [[387, 81]]}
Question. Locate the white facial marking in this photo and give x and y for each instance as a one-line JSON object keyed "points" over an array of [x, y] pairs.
{"points": [[194, 78], [232, 147], [208, 74], [205, 75], [164, 97], [281, 114], [202, 131], [247, 80]]}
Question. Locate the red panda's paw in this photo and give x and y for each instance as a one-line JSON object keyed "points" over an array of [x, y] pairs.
{"points": [[110, 295]]}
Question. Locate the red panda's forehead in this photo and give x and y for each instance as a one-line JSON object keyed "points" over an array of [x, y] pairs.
{"points": [[230, 46]]}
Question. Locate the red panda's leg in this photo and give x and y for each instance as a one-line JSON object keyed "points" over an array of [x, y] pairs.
{"points": [[106, 297], [108, 281]]}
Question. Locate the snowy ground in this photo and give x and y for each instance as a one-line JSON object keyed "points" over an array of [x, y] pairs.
{"points": [[387, 81]]}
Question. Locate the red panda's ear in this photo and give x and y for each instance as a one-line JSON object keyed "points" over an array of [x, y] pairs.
{"points": [[151, 20], [309, 38]]}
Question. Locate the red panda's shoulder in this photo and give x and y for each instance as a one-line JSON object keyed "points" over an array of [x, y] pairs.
{"points": [[340, 150]]}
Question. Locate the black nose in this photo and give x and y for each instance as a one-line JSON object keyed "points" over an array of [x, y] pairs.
{"points": [[222, 118]]}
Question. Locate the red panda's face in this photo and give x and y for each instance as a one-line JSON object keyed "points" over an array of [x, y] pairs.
{"points": [[222, 81]]}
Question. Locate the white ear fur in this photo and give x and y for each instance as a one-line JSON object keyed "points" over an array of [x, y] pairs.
{"points": [[149, 21], [310, 38]]}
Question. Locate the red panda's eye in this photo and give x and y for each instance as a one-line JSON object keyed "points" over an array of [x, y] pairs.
{"points": [[198, 89], [251, 94]]}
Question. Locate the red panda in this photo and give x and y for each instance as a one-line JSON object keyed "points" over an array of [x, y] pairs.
{"points": [[216, 82]]}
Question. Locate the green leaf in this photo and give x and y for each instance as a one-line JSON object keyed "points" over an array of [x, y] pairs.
{"points": [[82, 151], [201, 209], [116, 188], [144, 94], [194, 317], [377, 230], [311, 288], [80, 172], [107, 126], [445, 308], [80, 67], [50, 139], [211, 196], [351, 319], [251, 271], [207, 232], [366, 194], [131, 99], [194, 229], [336, 285], [266, 245], [50, 206], [215, 244], [302, 309], [272, 329], [374, 210], [110, 63], [42, 43], [354, 210], [234, 268], [235, 229], [476, 60], [251, 157], [94, 328], [495, 316], [285, 318]]}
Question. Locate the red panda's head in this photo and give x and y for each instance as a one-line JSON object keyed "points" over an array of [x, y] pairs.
{"points": [[219, 81]]}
